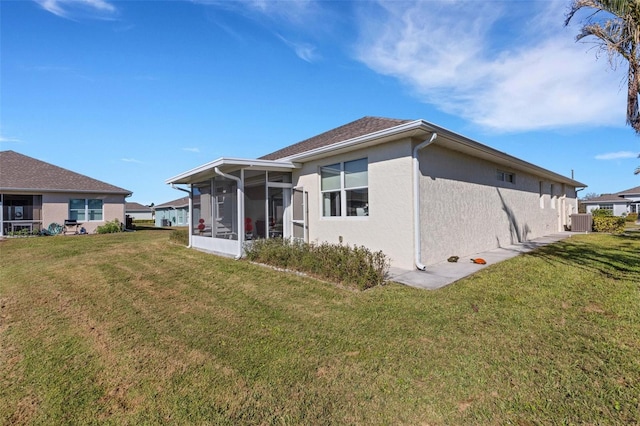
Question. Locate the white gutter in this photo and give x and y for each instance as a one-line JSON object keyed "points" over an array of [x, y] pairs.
{"points": [[240, 197], [173, 185], [416, 201]]}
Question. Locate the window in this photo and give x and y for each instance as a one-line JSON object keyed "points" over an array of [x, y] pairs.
{"points": [[345, 189], [541, 192], [505, 176], [82, 209], [607, 206]]}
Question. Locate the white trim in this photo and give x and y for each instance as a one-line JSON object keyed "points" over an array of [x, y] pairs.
{"points": [[227, 161]]}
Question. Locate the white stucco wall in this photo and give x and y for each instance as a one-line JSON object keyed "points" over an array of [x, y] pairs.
{"points": [[465, 209], [55, 208], [389, 224]]}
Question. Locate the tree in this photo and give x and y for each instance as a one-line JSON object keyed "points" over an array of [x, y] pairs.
{"points": [[616, 23], [590, 196], [637, 170]]}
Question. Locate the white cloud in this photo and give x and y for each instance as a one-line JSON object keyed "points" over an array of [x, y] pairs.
{"points": [[191, 149], [130, 160], [492, 64], [289, 11], [304, 51], [617, 155], [73, 8], [4, 139]]}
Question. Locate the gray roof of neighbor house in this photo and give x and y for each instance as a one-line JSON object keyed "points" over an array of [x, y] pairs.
{"points": [[630, 191], [137, 207], [606, 198], [19, 172], [361, 127], [180, 202]]}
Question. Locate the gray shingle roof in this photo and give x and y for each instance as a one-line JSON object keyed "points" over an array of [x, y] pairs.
{"points": [[20, 172], [130, 207], [360, 127], [630, 191], [180, 202], [610, 198]]}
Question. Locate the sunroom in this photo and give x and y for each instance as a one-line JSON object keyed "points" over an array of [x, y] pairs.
{"points": [[234, 201], [20, 213]]}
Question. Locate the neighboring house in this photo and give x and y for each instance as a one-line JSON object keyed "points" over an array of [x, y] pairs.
{"points": [[34, 194], [173, 213], [138, 211], [619, 204], [416, 191]]}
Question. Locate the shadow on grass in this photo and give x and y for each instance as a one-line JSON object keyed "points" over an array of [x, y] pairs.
{"points": [[618, 261], [154, 228]]}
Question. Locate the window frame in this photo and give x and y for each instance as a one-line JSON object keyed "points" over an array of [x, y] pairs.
{"points": [[504, 176], [86, 211], [342, 191]]}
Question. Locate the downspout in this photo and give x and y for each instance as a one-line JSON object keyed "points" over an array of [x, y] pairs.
{"points": [[416, 201], [240, 196], [173, 185]]}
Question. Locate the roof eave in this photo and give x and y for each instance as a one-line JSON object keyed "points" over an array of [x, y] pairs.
{"points": [[421, 128], [411, 129], [66, 191], [209, 168]]}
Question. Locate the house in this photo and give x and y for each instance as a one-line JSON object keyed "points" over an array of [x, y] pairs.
{"points": [[619, 204], [173, 213], [138, 211], [34, 194], [416, 191]]}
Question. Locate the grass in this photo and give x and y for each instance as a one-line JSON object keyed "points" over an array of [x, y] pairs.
{"points": [[130, 328]]}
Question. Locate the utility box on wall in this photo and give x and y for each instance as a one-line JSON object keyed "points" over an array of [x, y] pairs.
{"points": [[581, 222]]}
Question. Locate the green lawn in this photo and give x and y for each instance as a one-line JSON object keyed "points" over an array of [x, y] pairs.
{"points": [[131, 329]]}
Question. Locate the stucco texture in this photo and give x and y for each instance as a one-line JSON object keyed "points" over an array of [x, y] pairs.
{"points": [[55, 208], [388, 227], [465, 209]]}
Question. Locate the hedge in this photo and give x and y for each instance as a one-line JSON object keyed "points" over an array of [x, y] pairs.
{"points": [[611, 224]]}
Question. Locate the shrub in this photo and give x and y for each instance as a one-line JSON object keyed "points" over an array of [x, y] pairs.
{"points": [[109, 227], [631, 217], [612, 224], [601, 212], [180, 236], [354, 266]]}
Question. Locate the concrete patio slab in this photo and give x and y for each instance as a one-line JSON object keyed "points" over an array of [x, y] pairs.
{"points": [[442, 274]]}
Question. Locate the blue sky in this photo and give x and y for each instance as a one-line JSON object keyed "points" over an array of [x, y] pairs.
{"points": [[135, 92]]}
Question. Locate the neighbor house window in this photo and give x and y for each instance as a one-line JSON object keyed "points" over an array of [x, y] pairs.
{"points": [[85, 209], [608, 207], [345, 188], [506, 176]]}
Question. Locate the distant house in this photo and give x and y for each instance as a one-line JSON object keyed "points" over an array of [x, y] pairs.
{"points": [[173, 213], [619, 204], [138, 211], [416, 191], [34, 194]]}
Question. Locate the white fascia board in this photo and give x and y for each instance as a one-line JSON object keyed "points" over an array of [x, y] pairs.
{"points": [[235, 162], [368, 139], [512, 161], [422, 128]]}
